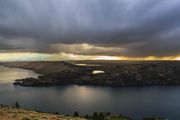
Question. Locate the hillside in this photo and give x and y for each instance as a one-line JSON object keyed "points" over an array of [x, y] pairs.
{"points": [[42, 67], [8, 113], [115, 73]]}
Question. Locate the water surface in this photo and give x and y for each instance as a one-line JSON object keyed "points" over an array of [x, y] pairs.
{"points": [[131, 101], [97, 72]]}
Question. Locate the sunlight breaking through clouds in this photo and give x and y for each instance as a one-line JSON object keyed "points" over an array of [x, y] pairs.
{"points": [[128, 28], [27, 56], [23, 56]]}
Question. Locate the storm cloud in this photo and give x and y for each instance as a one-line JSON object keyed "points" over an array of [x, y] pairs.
{"points": [[136, 28]]}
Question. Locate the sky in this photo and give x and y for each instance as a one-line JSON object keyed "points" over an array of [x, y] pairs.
{"points": [[89, 29]]}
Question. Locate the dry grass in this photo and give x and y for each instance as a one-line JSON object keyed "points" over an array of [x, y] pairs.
{"points": [[7, 113]]}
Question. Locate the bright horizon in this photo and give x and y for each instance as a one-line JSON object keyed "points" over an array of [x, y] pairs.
{"points": [[27, 56]]}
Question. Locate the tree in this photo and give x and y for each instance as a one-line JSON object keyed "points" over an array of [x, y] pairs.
{"points": [[95, 116], [86, 116], [152, 118], [17, 105], [101, 116], [76, 114]]}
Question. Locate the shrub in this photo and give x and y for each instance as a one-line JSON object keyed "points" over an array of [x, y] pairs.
{"points": [[76, 114], [17, 105]]}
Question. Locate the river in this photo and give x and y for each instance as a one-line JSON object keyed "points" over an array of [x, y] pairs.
{"points": [[135, 102]]}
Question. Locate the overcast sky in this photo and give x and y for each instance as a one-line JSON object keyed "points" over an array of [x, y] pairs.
{"points": [[137, 28]]}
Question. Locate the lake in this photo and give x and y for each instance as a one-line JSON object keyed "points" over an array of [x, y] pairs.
{"points": [[135, 102]]}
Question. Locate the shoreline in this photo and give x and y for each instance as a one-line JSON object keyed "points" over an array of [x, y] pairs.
{"points": [[21, 68], [98, 85], [93, 85], [116, 74]]}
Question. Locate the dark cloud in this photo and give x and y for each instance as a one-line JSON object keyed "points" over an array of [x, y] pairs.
{"points": [[139, 27]]}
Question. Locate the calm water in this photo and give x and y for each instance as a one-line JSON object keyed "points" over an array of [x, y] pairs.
{"points": [[134, 102]]}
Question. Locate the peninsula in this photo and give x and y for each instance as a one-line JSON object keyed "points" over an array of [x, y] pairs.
{"points": [[103, 73]]}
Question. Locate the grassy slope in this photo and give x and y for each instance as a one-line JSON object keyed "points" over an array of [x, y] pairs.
{"points": [[41, 67], [7, 113]]}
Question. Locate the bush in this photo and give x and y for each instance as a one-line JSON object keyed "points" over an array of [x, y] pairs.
{"points": [[153, 118], [17, 105], [95, 116], [100, 116], [25, 118], [76, 114]]}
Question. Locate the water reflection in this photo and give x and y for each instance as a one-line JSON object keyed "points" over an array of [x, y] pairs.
{"points": [[10, 74], [97, 72], [87, 64]]}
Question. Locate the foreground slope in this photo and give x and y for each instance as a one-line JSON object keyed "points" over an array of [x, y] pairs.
{"points": [[8, 113]]}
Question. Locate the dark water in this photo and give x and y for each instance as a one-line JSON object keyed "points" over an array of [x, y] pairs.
{"points": [[134, 102]]}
